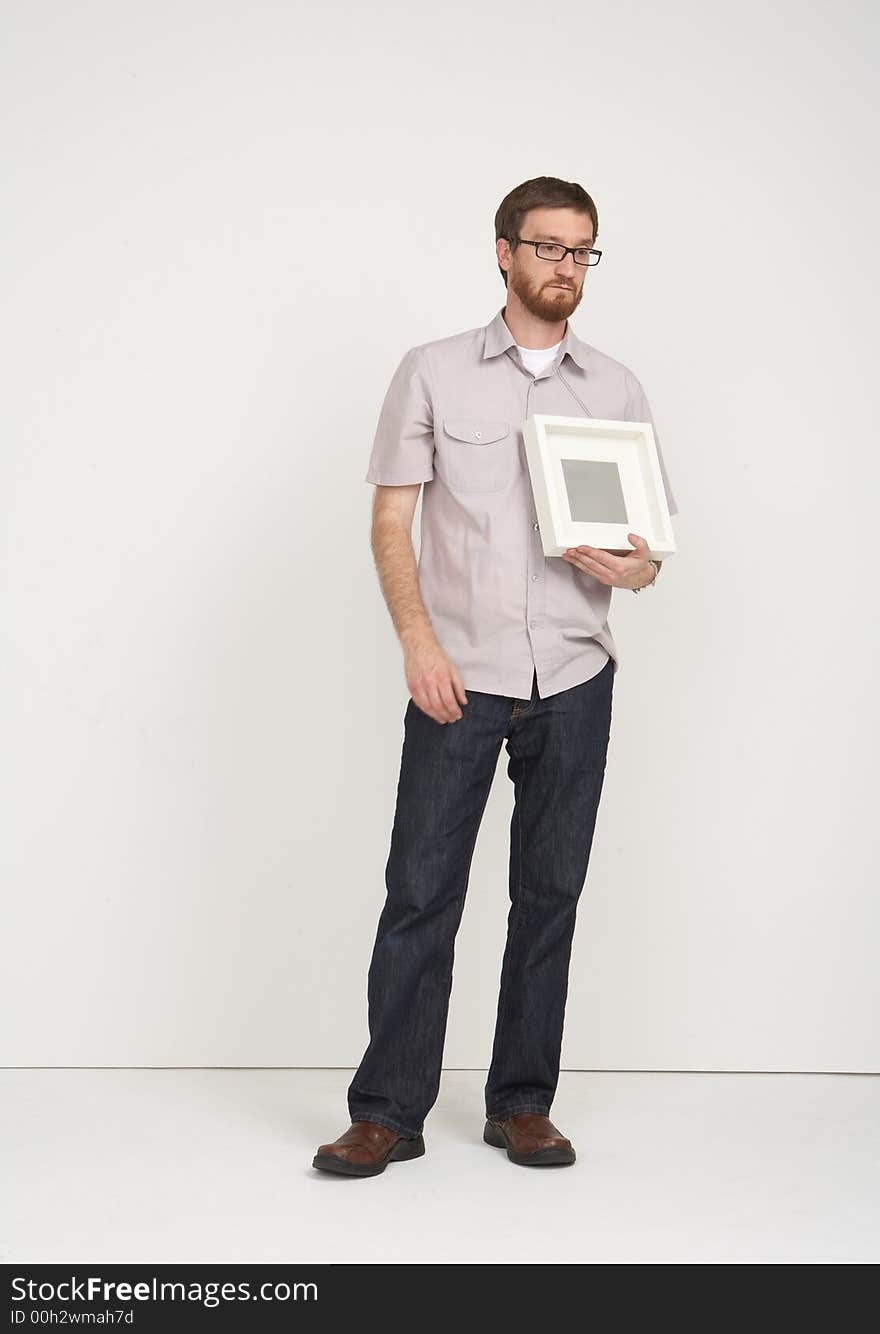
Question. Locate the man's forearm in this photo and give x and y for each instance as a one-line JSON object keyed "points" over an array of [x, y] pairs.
{"points": [[399, 579]]}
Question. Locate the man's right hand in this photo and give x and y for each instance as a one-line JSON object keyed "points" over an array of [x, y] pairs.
{"points": [[433, 680]]}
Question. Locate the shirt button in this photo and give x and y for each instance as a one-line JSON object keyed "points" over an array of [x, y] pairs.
{"points": [[478, 435], [534, 576], [535, 526]]}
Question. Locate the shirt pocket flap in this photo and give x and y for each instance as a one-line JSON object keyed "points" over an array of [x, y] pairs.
{"points": [[475, 432]]}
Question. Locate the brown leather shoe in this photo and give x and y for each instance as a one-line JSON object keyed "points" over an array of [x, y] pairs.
{"points": [[531, 1139], [367, 1148]]}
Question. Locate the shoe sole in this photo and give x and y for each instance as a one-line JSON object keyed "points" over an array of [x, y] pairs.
{"points": [[553, 1156], [400, 1152]]}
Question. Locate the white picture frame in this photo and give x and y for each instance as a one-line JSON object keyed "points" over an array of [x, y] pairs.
{"points": [[595, 480]]}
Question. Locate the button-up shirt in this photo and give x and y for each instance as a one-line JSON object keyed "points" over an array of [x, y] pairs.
{"points": [[451, 418]]}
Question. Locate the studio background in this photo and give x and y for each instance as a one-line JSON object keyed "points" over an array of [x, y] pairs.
{"points": [[223, 225]]}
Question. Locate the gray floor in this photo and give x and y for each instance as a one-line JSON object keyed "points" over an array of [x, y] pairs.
{"points": [[171, 1166]]}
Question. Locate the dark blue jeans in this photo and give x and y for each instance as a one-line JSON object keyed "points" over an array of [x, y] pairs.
{"points": [[557, 748]]}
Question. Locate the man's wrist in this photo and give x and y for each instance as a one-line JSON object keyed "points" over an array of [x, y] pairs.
{"points": [[416, 632], [656, 565]]}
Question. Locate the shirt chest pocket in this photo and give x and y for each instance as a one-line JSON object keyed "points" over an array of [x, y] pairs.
{"points": [[477, 454]]}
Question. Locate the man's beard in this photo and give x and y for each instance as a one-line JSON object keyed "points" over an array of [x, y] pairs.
{"points": [[543, 300]]}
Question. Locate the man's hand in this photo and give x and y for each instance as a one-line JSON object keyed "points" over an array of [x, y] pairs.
{"points": [[633, 571], [433, 679]]}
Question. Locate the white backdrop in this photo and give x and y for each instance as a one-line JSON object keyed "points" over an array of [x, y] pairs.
{"points": [[223, 224]]}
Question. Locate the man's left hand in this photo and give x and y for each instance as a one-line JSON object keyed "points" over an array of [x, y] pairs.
{"points": [[633, 571]]}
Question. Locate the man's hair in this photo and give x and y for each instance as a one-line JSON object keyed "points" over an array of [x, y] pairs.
{"points": [[542, 192]]}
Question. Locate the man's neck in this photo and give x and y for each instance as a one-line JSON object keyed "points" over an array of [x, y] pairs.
{"points": [[530, 331]]}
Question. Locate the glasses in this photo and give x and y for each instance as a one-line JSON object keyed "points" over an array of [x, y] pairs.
{"points": [[549, 250]]}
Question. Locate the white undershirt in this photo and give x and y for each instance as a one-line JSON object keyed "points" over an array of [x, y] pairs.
{"points": [[536, 359]]}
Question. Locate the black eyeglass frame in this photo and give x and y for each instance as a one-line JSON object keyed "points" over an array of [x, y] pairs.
{"points": [[569, 250]]}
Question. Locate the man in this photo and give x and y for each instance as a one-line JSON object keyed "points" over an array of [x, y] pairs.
{"points": [[499, 644]]}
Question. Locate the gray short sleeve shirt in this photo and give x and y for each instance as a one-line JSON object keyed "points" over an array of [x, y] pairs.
{"points": [[451, 418]]}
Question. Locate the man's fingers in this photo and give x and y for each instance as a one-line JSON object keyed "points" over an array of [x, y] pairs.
{"points": [[604, 560], [441, 705], [453, 712], [590, 566], [440, 695], [432, 696]]}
